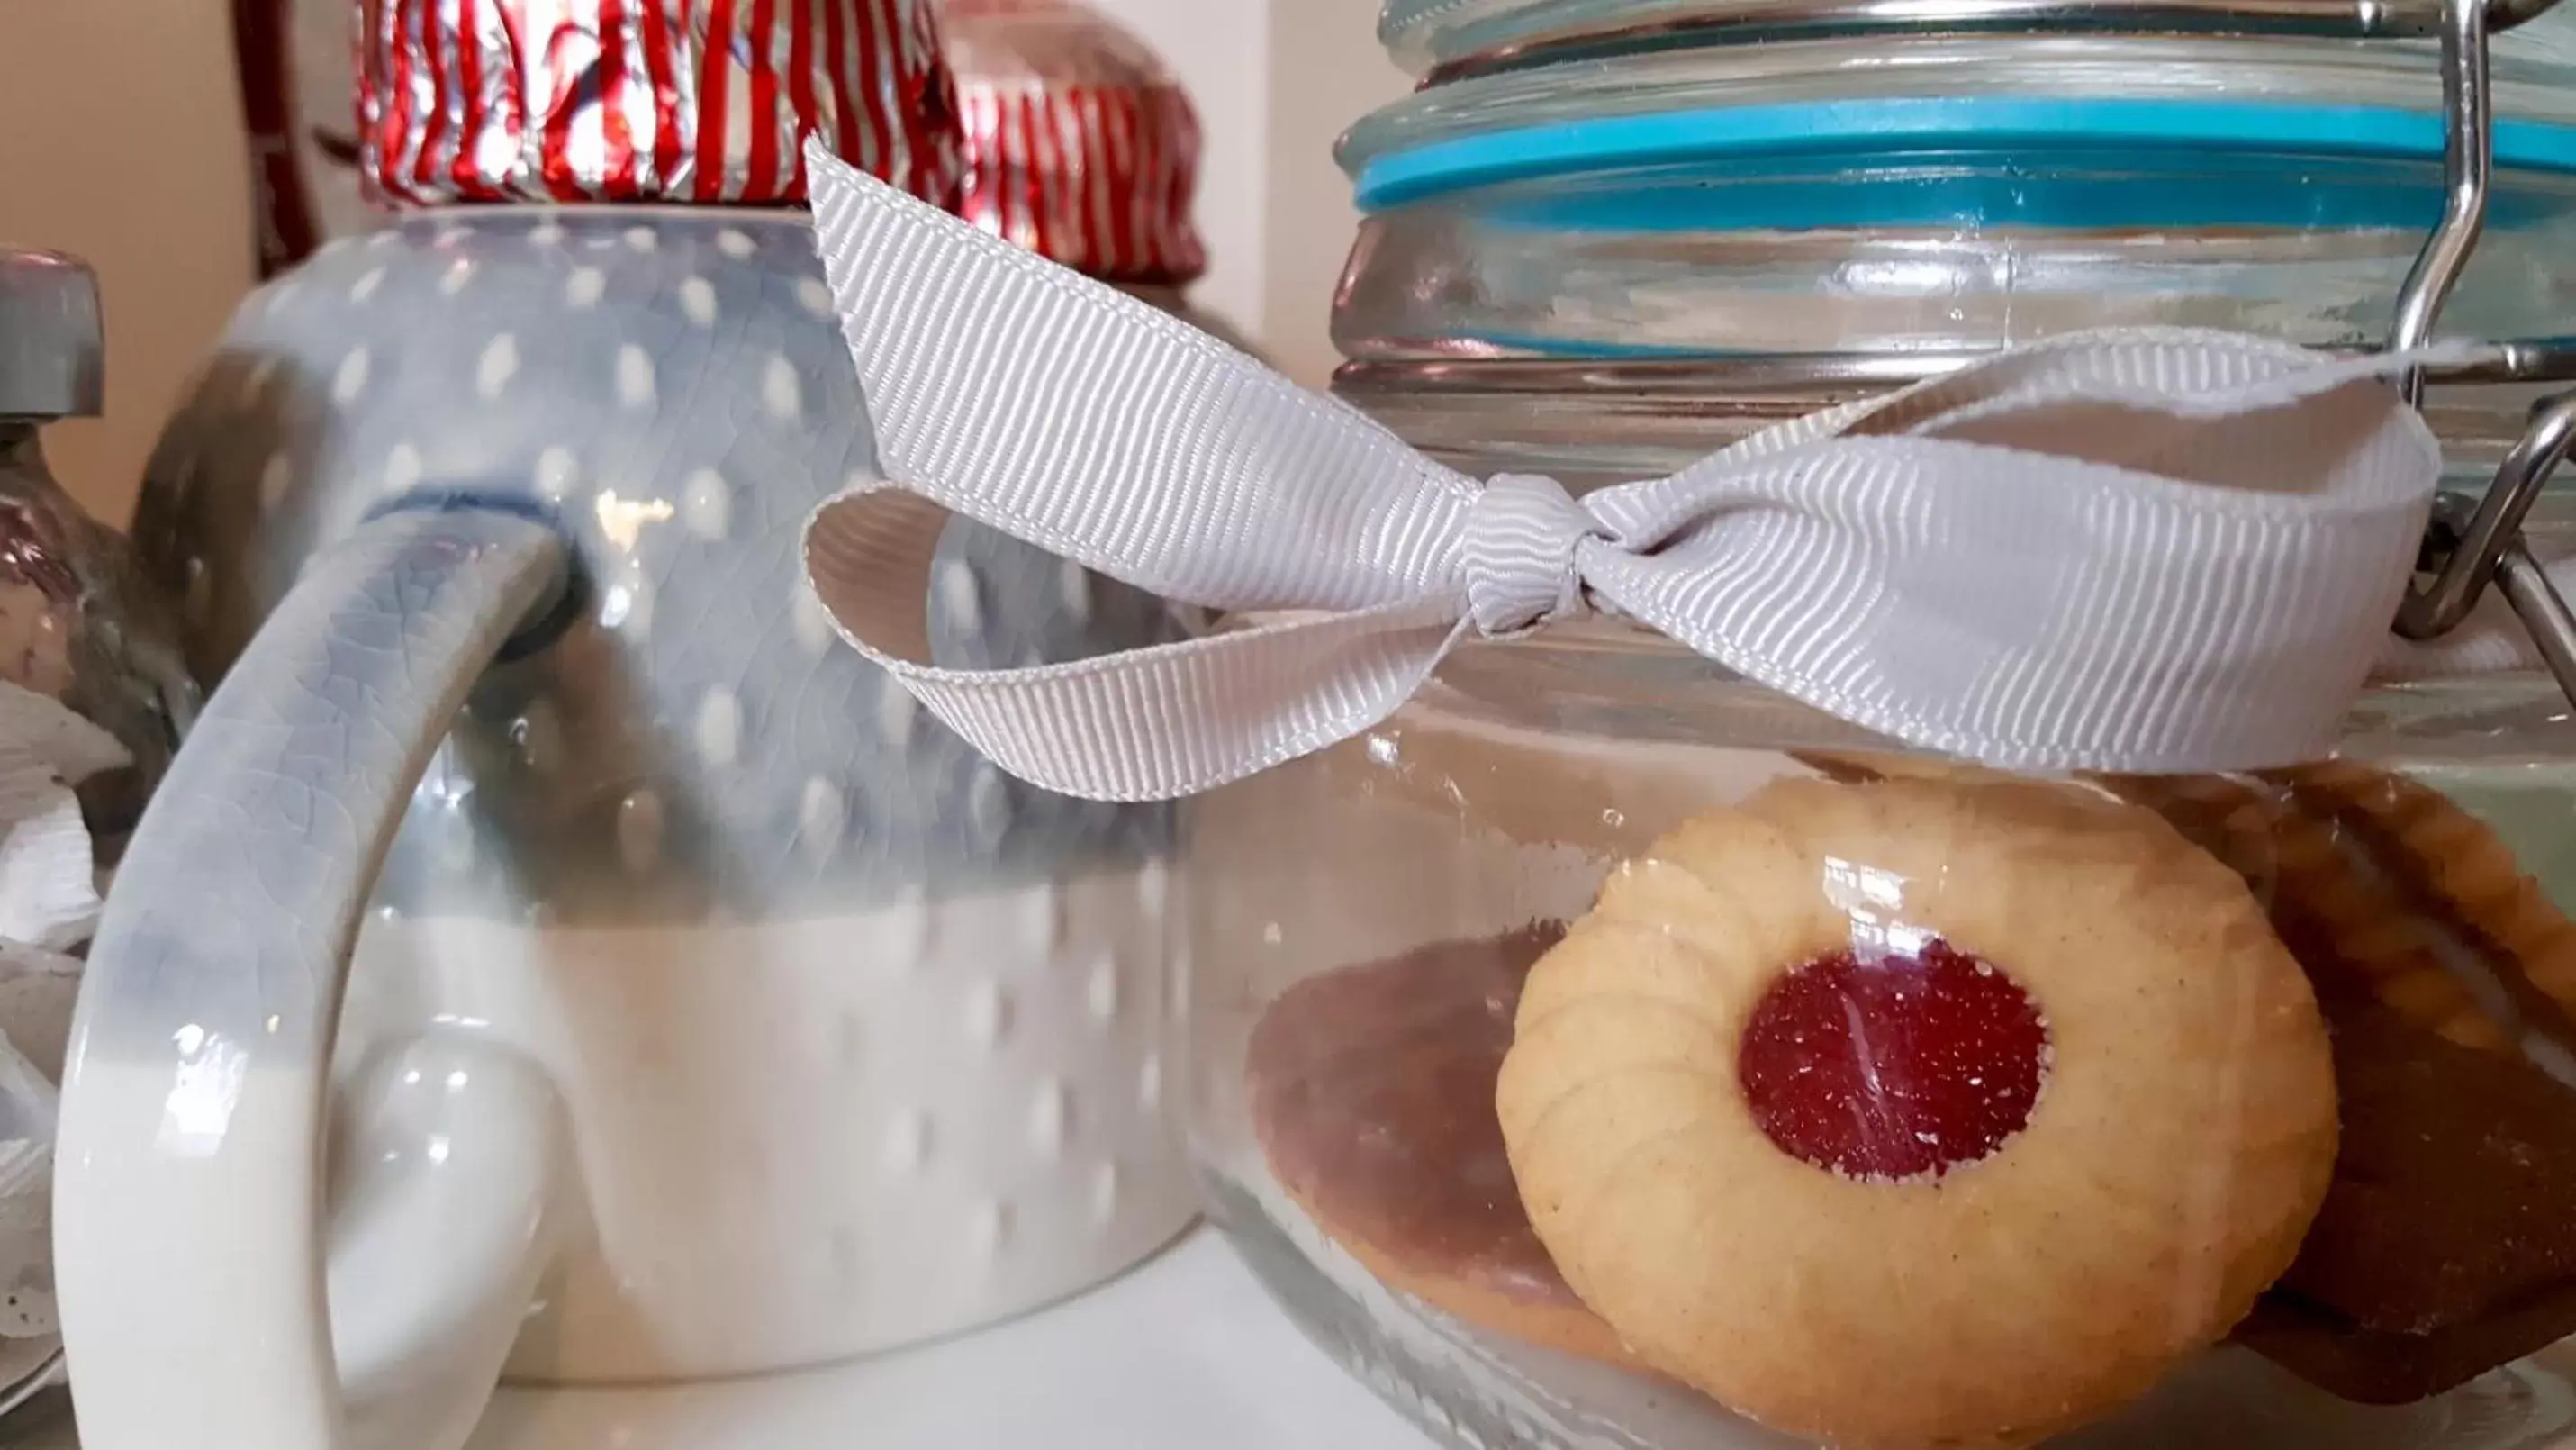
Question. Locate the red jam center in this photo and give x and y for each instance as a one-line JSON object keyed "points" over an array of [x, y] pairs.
{"points": [[1896, 1067]]}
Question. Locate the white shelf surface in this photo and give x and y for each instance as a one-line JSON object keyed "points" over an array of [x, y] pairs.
{"points": [[1184, 1353]]}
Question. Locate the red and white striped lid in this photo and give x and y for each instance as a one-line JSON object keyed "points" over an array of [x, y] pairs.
{"points": [[1080, 146], [648, 100]]}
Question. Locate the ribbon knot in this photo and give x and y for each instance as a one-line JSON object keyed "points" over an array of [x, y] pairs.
{"points": [[1523, 549], [2139, 550]]}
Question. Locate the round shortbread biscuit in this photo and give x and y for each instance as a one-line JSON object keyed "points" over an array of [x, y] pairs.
{"points": [[2146, 1168]]}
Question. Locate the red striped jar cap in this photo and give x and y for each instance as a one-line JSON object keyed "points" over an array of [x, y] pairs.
{"points": [[702, 101], [1080, 145]]}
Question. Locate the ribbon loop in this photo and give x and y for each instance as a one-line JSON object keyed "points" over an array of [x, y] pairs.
{"points": [[2141, 550], [1522, 537]]}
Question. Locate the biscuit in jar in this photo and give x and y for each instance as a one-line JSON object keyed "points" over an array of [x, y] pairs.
{"points": [[2447, 1243], [1372, 1094], [1920, 1111]]}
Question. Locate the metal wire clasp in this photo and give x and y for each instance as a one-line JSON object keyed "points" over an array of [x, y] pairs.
{"points": [[2477, 542], [2473, 543]]}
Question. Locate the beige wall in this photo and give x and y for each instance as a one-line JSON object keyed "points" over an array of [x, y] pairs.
{"points": [[1219, 49], [1327, 71], [1276, 81], [120, 140]]}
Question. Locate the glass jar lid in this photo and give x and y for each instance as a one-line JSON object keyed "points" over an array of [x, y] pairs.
{"points": [[1943, 193]]}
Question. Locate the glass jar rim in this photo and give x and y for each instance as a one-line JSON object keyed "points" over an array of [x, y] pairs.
{"points": [[1594, 421], [1442, 39]]}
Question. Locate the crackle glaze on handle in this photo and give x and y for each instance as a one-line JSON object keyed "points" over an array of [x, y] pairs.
{"points": [[190, 1199]]}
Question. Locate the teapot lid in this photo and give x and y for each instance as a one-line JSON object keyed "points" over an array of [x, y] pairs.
{"points": [[1080, 145], [591, 100], [52, 343]]}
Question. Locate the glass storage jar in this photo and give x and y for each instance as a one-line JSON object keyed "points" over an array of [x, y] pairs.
{"points": [[1607, 1051], [1883, 1101]]}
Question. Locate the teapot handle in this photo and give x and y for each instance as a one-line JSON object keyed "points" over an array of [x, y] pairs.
{"points": [[189, 1203]]}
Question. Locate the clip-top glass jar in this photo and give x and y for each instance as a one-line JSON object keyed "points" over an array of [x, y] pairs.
{"points": [[1606, 1051]]}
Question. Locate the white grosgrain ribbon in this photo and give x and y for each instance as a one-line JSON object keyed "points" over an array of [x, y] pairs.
{"points": [[2133, 551]]}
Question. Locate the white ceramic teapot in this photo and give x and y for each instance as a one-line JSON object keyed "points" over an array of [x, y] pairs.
{"points": [[529, 967]]}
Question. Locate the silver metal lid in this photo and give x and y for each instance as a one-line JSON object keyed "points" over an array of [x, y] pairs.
{"points": [[53, 346], [1444, 40]]}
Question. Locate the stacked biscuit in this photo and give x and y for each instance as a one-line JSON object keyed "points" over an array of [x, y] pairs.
{"points": [[2447, 1244]]}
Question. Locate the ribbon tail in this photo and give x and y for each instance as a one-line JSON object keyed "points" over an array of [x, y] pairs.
{"points": [[1139, 725], [1076, 418]]}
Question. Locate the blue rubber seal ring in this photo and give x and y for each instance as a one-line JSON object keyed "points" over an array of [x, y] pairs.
{"points": [[2264, 153]]}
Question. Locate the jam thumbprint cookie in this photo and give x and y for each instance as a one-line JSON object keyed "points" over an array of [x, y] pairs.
{"points": [[1920, 1112]]}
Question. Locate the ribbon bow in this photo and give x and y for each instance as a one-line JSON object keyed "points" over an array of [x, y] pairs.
{"points": [[2148, 550]]}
